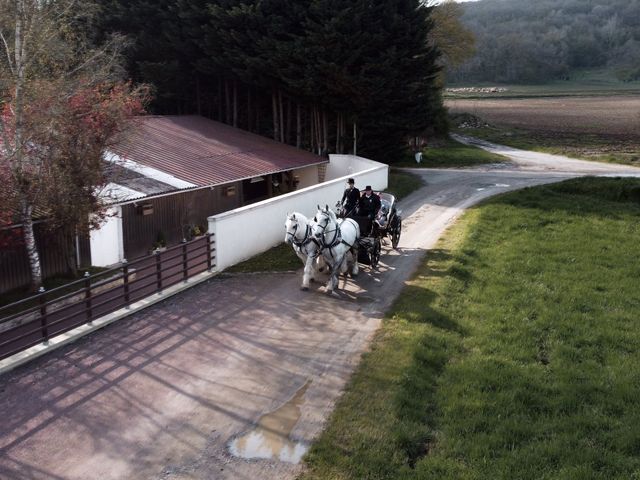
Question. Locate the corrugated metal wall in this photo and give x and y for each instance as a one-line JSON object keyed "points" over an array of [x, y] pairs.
{"points": [[173, 216], [14, 263]]}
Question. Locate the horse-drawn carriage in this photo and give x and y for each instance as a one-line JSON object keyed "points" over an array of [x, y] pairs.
{"points": [[342, 242], [389, 219], [387, 223]]}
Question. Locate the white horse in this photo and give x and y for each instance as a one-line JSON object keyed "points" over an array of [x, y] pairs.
{"points": [[339, 242], [298, 234]]}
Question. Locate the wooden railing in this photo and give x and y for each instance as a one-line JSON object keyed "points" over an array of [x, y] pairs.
{"points": [[41, 317]]}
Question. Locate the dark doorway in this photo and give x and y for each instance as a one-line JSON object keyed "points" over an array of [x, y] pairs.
{"points": [[255, 189]]}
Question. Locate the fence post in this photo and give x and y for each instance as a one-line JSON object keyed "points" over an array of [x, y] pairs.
{"points": [[125, 281], [43, 315], [158, 273], [87, 296], [209, 251], [185, 274]]}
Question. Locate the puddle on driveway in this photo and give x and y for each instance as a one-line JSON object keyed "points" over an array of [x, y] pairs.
{"points": [[270, 438]]}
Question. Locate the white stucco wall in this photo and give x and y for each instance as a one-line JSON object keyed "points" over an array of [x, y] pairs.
{"points": [[247, 231], [308, 176], [352, 166], [107, 246]]}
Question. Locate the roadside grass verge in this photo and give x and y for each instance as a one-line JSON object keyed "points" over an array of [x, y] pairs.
{"points": [[514, 352], [449, 153], [600, 148], [402, 184], [281, 258]]}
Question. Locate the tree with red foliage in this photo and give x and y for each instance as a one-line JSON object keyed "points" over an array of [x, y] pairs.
{"points": [[62, 104]]}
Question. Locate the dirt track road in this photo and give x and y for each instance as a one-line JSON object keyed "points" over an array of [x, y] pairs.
{"points": [[161, 394]]}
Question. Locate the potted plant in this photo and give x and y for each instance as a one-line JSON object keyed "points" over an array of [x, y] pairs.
{"points": [[197, 231], [160, 245]]}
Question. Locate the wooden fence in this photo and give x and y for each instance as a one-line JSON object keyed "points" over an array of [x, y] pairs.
{"points": [[14, 263], [41, 317]]}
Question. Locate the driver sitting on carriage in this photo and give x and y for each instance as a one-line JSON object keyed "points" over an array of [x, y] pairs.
{"points": [[368, 207], [350, 199]]}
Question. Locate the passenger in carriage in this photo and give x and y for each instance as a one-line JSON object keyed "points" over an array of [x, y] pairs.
{"points": [[383, 216], [350, 199], [368, 207]]}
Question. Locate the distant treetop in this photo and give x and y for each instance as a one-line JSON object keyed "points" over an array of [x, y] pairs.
{"points": [[521, 41]]}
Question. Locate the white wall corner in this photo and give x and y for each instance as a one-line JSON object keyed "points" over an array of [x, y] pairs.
{"points": [[106, 242], [120, 233], [215, 251]]}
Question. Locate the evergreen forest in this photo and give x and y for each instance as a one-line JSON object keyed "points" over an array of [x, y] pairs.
{"points": [[524, 41], [310, 74]]}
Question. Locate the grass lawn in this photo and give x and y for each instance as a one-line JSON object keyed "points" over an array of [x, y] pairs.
{"points": [[514, 352], [402, 184], [449, 153], [277, 259]]}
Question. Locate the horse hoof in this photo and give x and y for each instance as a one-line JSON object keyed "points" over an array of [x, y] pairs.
{"points": [[304, 289]]}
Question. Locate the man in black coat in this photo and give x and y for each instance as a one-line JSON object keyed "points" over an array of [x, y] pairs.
{"points": [[350, 198], [369, 205]]}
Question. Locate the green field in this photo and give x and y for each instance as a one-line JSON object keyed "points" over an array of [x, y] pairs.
{"points": [[451, 154], [586, 146], [582, 83], [594, 119], [514, 352]]}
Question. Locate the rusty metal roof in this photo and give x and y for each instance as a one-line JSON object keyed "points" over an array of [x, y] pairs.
{"points": [[205, 152]]}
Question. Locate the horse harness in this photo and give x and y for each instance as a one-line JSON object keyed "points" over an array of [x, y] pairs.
{"points": [[302, 245], [335, 241]]}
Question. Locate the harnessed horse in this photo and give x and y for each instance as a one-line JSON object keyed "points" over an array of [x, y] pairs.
{"points": [[339, 242], [298, 235]]}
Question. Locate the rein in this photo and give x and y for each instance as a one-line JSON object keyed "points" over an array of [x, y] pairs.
{"points": [[306, 239], [337, 236]]}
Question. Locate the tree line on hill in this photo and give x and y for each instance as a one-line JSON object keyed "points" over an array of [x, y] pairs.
{"points": [[519, 41], [304, 73]]}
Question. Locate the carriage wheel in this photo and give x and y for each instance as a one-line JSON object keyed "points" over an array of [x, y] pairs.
{"points": [[395, 234], [375, 253]]}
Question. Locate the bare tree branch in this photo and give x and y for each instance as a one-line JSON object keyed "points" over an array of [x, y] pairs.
{"points": [[8, 52]]}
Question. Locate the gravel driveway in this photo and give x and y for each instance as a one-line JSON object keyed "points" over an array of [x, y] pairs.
{"points": [[163, 393]]}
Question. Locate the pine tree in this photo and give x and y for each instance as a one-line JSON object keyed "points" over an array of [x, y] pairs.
{"points": [[303, 73]]}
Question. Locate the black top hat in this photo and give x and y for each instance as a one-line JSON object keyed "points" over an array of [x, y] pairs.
{"points": [[351, 180], [368, 187]]}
